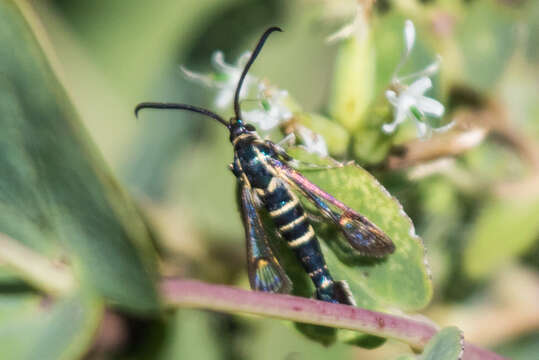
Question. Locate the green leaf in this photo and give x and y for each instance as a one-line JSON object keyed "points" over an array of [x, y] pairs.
{"points": [[33, 328], [505, 229], [399, 280], [365, 341], [447, 344], [272, 339], [56, 194]]}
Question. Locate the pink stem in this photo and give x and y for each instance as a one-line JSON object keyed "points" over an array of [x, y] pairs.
{"points": [[196, 294]]}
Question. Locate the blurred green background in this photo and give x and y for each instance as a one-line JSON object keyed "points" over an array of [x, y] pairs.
{"points": [[476, 207]]}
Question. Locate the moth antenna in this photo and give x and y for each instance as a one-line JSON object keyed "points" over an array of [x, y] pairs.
{"points": [[257, 49], [174, 106]]}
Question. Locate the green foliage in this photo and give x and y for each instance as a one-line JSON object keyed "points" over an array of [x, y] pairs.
{"points": [[59, 199], [505, 229], [377, 284], [494, 39], [30, 325], [56, 194], [447, 344], [399, 280]]}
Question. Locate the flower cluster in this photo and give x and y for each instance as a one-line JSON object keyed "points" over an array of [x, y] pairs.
{"points": [[409, 101], [272, 109], [224, 79]]}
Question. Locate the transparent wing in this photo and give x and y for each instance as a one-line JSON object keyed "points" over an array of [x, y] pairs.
{"points": [[360, 232], [265, 273]]}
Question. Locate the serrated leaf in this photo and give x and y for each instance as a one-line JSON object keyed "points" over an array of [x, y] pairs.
{"points": [[505, 229], [399, 280], [56, 194], [32, 328], [447, 344]]}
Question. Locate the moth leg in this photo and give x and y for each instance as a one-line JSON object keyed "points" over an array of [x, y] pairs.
{"points": [[304, 165], [288, 140], [278, 150]]}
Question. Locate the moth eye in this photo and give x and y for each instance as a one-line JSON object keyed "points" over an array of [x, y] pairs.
{"points": [[250, 127]]}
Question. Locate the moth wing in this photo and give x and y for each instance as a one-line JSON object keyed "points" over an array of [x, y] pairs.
{"points": [[361, 233], [365, 236], [265, 273]]}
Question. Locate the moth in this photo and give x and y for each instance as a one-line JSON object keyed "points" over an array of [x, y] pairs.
{"points": [[267, 181]]}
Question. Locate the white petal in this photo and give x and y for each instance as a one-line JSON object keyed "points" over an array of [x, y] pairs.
{"points": [[242, 60], [201, 78], [389, 128], [444, 128], [391, 96], [261, 118], [421, 129], [409, 36], [224, 98], [418, 87], [430, 106], [343, 33], [313, 142], [403, 107], [433, 67], [244, 89], [218, 61], [285, 113]]}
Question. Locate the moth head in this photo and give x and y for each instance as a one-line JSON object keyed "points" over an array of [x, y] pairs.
{"points": [[238, 127]]}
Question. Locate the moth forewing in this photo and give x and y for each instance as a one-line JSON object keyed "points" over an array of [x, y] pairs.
{"points": [[365, 236], [361, 233]]}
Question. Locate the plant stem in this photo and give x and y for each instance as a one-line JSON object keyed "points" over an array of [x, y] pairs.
{"points": [[195, 294]]}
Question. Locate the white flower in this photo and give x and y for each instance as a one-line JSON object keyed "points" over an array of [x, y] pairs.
{"points": [[312, 142], [273, 109], [409, 101], [225, 79]]}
